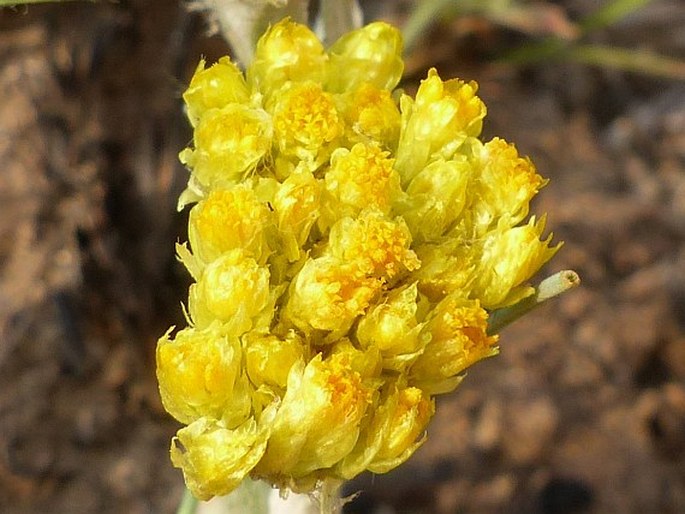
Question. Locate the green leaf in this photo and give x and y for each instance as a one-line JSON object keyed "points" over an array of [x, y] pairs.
{"points": [[611, 13], [549, 288]]}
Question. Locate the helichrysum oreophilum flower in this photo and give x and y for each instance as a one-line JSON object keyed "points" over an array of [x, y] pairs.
{"points": [[347, 243]]}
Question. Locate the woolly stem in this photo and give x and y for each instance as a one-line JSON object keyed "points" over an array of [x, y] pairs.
{"points": [[329, 497]]}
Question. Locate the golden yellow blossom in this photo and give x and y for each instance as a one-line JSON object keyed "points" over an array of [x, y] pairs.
{"points": [[357, 179], [268, 358], [392, 327], [296, 203], [371, 115], [329, 294], [391, 434], [229, 142], [378, 245], [437, 122], [435, 198], [510, 256], [233, 289], [346, 249], [458, 339], [504, 186], [446, 267], [318, 420], [408, 412], [305, 122], [200, 374], [287, 52], [215, 459], [229, 219]]}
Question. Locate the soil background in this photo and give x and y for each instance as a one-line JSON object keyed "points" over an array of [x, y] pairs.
{"points": [[582, 412]]}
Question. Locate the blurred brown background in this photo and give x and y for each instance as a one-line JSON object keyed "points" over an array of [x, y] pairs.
{"points": [[583, 411]]}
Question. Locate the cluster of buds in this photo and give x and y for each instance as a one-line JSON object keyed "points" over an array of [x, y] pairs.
{"points": [[347, 244]]}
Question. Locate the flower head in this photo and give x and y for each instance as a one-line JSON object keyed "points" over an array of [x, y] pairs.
{"points": [[306, 122], [346, 250]]}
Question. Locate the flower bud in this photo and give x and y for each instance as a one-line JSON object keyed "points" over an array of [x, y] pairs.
{"points": [[391, 327], [357, 179], [328, 294], [288, 51], [445, 267], [296, 203], [435, 198], [371, 114], [268, 358], [371, 54], [306, 122], [392, 434], [504, 185], [214, 87], [378, 245], [436, 124], [510, 256]]}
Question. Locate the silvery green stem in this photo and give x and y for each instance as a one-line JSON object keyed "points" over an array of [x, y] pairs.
{"points": [[188, 503], [336, 17], [241, 22]]}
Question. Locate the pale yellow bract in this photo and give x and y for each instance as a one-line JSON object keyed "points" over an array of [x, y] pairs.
{"points": [[347, 244]]}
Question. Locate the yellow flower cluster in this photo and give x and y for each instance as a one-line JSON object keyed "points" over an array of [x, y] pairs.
{"points": [[347, 242]]}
